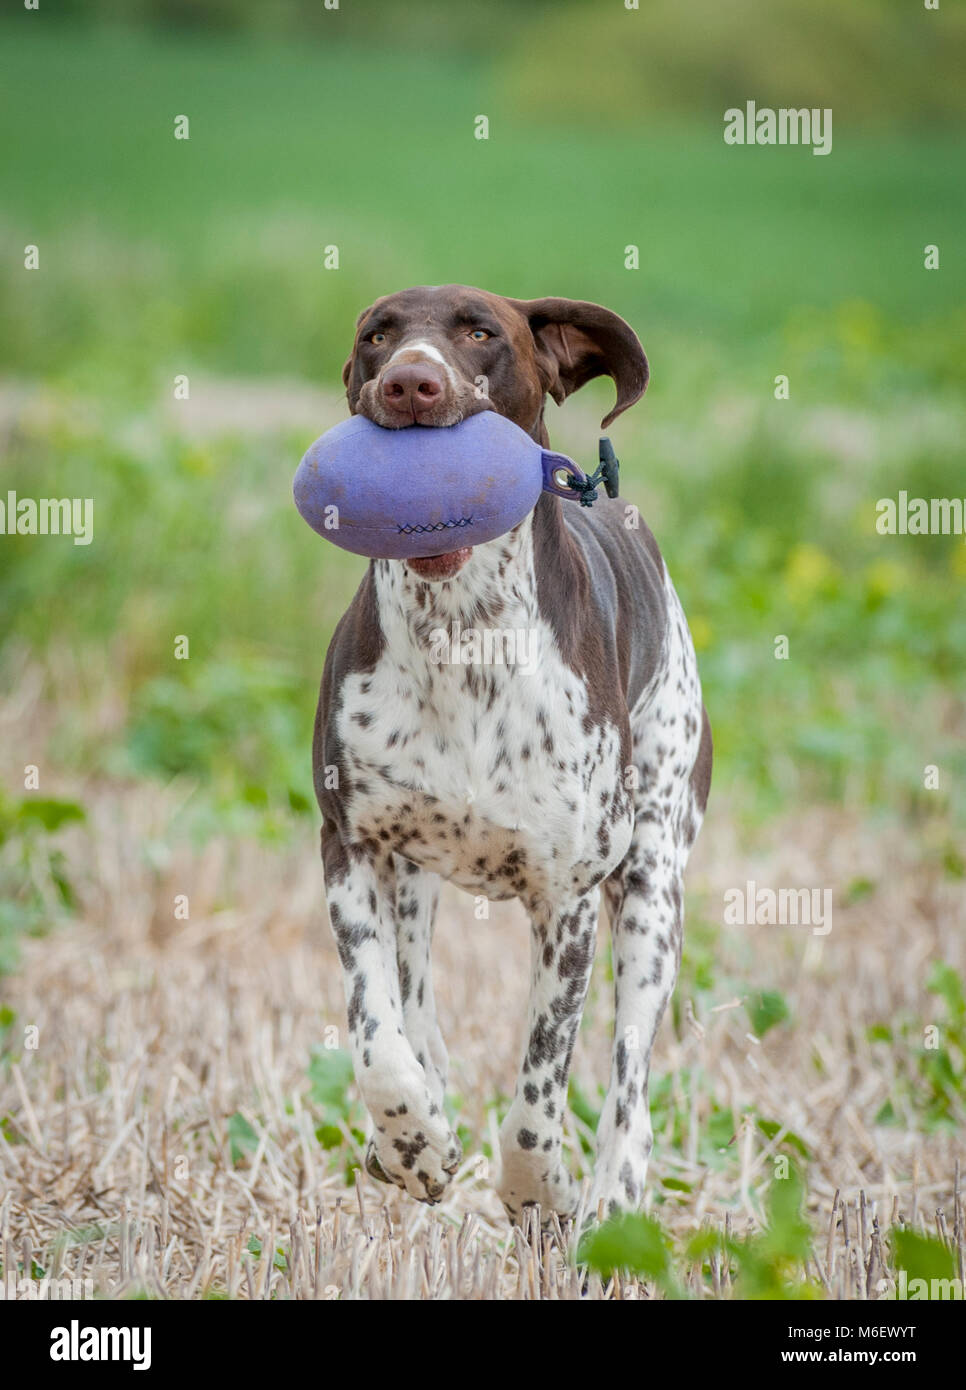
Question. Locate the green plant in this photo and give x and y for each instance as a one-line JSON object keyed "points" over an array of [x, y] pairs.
{"points": [[768, 1263], [764, 1265], [930, 1080], [765, 1009], [242, 1138], [635, 1243], [330, 1077], [35, 887], [924, 1266]]}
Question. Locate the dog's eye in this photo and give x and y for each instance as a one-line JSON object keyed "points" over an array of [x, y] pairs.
{"points": [[480, 335], [377, 338]]}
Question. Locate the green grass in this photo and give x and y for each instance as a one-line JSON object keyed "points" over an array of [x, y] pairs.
{"points": [[160, 256]]}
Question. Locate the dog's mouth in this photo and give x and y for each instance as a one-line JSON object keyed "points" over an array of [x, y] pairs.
{"points": [[436, 568], [433, 568]]}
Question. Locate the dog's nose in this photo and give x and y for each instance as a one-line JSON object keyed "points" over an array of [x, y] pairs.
{"points": [[412, 387]]}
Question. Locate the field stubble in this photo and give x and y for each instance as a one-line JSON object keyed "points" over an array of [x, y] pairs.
{"points": [[161, 1135]]}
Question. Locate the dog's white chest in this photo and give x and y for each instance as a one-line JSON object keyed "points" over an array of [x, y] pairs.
{"points": [[481, 769]]}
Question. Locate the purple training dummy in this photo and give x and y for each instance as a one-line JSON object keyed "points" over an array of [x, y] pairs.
{"points": [[420, 491]]}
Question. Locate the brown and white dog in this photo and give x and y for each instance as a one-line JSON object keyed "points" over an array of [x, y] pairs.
{"points": [[583, 773]]}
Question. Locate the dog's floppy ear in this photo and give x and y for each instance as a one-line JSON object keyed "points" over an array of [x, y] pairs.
{"points": [[347, 368], [577, 341]]}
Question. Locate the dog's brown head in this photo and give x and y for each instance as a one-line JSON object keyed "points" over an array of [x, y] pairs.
{"points": [[436, 354], [433, 355]]}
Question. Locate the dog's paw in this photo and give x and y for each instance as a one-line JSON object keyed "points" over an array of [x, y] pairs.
{"points": [[551, 1188], [373, 1167], [620, 1174], [415, 1149]]}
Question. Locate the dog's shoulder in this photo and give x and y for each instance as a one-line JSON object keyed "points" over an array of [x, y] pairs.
{"points": [[356, 646], [620, 597]]}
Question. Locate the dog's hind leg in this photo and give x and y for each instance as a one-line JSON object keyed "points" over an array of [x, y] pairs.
{"points": [[645, 902], [644, 899]]}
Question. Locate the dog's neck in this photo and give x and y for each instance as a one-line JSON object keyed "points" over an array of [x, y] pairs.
{"points": [[498, 586]]}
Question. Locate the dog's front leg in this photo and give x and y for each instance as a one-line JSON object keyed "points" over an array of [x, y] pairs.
{"points": [[531, 1136], [417, 895], [412, 1144]]}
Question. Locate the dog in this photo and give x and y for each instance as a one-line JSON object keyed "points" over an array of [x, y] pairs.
{"points": [[585, 777]]}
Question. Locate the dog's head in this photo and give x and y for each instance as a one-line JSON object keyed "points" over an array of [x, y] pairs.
{"points": [[434, 355]]}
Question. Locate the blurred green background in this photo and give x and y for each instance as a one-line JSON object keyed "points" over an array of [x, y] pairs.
{"points": [[312, 127]]}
